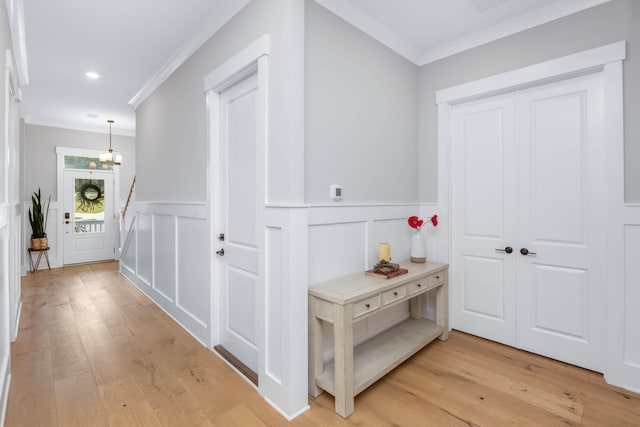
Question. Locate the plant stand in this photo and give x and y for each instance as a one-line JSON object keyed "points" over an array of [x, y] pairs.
{"points": [[40, 251]]}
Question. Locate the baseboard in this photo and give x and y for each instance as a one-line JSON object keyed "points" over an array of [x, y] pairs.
{"points": [[5, 381], [287, 416], [14, 333]]}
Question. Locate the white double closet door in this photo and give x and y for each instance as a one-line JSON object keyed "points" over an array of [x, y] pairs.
{"points": [[528, 174]]}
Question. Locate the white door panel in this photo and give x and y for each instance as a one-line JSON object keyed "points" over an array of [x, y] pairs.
{"points": [[484, 287], [559, 303], [527, 172], [240, 263], [243, 327]]}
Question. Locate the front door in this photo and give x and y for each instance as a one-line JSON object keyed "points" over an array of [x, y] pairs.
{"points": [[90, 227], [527, 213], [238, 215]]}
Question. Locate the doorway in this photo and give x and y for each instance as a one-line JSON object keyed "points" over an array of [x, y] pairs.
{"points": [[527, 213], [90, 226], [237, 218], [237, 117]]}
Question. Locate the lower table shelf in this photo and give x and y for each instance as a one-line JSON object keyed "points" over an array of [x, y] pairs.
{"points": [[376, 357]]}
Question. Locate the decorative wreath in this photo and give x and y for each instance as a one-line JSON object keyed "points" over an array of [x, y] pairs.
{"points": [[90, 196]]}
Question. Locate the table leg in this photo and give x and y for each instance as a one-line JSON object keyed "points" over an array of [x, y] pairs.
{"points": [[416, 306], [316, 365], [442, 310], [343, 359]]}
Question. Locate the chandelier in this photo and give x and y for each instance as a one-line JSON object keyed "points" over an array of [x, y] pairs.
{"points": [[109, 158]]}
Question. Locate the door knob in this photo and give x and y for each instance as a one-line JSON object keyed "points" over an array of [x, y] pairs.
{"points": [[507, 249], [220, 252], [525, 251]]}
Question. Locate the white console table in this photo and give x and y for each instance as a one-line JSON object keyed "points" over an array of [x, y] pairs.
{"points": [[345, 300]]}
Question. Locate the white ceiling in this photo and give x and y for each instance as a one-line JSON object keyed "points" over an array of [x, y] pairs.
{"points": [[128, 42]]}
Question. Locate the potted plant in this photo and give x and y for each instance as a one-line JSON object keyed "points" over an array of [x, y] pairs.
{"points": [[38, 216]]}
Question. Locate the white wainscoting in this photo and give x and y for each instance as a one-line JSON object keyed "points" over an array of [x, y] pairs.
{"points": [[631, 355], [343, 240], [283, 358], [15, 261], [166, 255], [5, 338], [623, 357]]}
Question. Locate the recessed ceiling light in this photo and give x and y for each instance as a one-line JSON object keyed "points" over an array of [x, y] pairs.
{"points": [[92, 75], [92, 115]]}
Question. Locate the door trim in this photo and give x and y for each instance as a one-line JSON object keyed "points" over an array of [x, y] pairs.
{"points": [[83, 152], [252, 59], [607, 59], [561, 68]]}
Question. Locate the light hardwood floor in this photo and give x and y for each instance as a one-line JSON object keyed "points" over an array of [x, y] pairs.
{"points": [[94, 351]]}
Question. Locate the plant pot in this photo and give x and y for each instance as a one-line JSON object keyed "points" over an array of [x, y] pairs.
{"points": [[39, 243]]}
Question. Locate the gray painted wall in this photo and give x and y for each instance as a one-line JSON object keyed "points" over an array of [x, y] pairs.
{"points": [[172, 123], [40, 159], [604, 24], [361, 115]]}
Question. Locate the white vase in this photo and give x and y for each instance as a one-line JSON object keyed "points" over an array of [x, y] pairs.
{"points": [[418, 251]]}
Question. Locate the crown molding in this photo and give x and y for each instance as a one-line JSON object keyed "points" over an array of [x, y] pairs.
{"points": [[15, 13], [225, 10], [524, 22], [384, 35], [30, 120], [373, 28]]}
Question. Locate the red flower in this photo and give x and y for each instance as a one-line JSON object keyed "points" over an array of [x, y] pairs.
{"points": [[415, 222]]}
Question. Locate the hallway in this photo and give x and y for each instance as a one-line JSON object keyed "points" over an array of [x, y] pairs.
{"points": [[93, 351]]}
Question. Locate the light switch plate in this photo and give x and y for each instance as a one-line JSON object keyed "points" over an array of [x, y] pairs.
{"points": [[336, 192]]}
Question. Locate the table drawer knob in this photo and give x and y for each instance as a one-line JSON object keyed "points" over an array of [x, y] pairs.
{"points": [[367, 305], [395, 294], [419, 285]]}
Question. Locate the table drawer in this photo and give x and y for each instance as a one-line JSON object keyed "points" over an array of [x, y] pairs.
{"points": [[368, 305], [417, 286], [394, 295], [435, 278]]}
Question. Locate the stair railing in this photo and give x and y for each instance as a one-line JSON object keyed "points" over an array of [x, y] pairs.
{"points": [[133, 184]]}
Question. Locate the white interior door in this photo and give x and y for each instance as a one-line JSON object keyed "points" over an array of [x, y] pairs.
{"points": [[239, 263], [562, 216], [90, 227], [483, 215], [527, 174]]}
